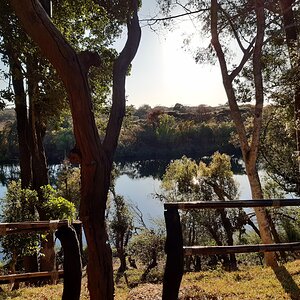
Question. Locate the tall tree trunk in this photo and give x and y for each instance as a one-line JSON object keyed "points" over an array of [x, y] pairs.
{"points": [[29, 262], [39, 165], [95, 157], [22, 119], [249, 151]]}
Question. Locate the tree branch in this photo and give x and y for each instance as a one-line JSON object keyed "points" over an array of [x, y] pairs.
{"points": [[188, 13], [236, 35], [120, 69], [234, 109], [258, 79]]}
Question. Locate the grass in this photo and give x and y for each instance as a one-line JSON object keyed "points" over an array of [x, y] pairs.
{"points": [[249, 283]]}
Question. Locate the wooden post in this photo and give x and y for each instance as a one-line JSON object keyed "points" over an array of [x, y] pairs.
{"points": [[174, 250], [72, 263], [77, 225]]}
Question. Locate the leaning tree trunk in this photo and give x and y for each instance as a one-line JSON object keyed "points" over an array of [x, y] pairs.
{"points": [[261, 214], [95, 157]]}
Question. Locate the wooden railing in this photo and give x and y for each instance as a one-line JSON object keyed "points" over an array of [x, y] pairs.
{"points": [[176, 251], [71, 241]]}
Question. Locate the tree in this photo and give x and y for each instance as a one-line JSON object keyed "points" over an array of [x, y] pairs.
{"points": [[121, 226], [185, 181], [278, 148], [292, 37], [94, 155], [230, 22]]}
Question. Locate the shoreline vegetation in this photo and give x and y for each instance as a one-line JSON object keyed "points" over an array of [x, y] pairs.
{"points": [[147, 133]]}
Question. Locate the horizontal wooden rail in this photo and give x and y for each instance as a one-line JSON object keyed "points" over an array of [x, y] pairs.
{"points": [[25, 227], [209, 250], [27, 276], [232, 204]]}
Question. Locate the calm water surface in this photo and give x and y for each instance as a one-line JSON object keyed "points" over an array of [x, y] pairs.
{"points": [[139, 182]]}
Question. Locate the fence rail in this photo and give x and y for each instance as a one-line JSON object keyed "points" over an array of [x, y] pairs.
{"points": [[70, 237], [33, 275], [232, 204], [176, 251]]}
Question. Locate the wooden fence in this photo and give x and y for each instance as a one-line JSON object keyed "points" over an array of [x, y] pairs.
{"points": [[70, 237], [176, 251]]}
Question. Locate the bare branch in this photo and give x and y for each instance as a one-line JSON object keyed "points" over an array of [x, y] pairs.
{"points": [[236, 35], [188, 13]]}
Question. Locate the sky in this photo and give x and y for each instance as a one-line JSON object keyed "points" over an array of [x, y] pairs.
{"points": [[163, 73]]}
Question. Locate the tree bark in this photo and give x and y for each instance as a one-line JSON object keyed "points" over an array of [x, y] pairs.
{"points": [[22, 118], [95, 157]]}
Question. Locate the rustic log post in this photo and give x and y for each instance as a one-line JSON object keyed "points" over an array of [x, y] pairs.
{"points": [[174, 250], [77, 225], [72, 263]]}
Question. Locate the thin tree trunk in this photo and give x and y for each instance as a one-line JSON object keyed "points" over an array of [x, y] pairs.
{"points": [[249, 151]]}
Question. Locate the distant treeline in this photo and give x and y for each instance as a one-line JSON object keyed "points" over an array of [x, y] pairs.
{"points": [[147, 133]]}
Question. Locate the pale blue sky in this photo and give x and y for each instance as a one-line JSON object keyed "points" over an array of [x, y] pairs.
{"points": [[163, 73]]}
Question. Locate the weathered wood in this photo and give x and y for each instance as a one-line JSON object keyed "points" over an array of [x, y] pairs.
{"points": [[72, 262], [233, 204], [77, 225], [22, 227], [27, 276], [174, 250], [209, 250]]}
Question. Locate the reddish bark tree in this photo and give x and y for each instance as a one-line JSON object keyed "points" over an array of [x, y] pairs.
{"points": [[95, 156]]}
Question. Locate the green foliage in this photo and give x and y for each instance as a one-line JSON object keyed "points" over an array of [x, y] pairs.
{"points": [[18, 206], [278, 148], [142, 245], [121, 223], [69, 183], [55, 206], [185, 180], [180, 176]]}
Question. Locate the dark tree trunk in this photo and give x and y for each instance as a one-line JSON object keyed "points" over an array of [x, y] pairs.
{"points": [[229, 233], [22, 119], [151, 265], [223, 257]]}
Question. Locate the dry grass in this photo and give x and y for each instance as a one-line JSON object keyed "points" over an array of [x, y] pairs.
{"points": [[249, 283]]}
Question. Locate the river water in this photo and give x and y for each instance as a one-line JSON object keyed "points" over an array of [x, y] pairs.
{"points": [[138, 182]]}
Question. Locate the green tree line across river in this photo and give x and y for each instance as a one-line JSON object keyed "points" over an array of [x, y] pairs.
{"points": [[147, 133]]}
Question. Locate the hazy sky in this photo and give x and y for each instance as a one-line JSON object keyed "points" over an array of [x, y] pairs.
{"points": [[163, 73]]}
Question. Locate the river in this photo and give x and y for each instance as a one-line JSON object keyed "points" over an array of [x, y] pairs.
{"points": [[138, 182]]}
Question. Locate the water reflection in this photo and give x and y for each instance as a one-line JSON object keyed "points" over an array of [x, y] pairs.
{"points": [[155, 168], [137, 181]]}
